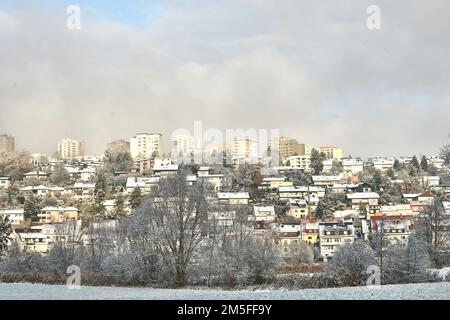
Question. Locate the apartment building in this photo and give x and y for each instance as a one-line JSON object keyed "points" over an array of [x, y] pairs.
{"points": [[302, 162], [332, 152], [58, 214], [7, 144], [183, 146], [334, 235], [69, 149], [246, 148], [146, 145]]}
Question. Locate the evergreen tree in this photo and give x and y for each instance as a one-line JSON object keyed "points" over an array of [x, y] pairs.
{"points": [[119, 208], [100, 191], [136, 198], [31, 208], [5, 232], [316, 161], [415, 163], [320, 209], [424, 164], [397, 165], [378, 181], [336, 167]]}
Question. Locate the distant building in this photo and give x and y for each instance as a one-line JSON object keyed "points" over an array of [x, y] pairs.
{"points": [[183, 146], [332, 152], [69, 149], [233, 198], [246, 148], [119, 146], [39, 175], [16, 216], [5, 182], [58, 214], [352, 166], [7, 144], [289, 147], [383, 164], [301, 162], [146, 145]]}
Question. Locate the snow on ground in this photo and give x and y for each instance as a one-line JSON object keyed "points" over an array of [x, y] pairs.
{"points": [[27, 291], [442, 272]]}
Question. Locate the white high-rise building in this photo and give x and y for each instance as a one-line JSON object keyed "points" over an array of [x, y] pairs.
{"points": [[246, 148], [145, 145], [69, 148], [182, 145]]}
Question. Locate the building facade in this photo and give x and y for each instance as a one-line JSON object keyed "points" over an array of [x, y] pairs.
{"points": [[69, 149], [332, 152], [7, 144], [146, 145]]}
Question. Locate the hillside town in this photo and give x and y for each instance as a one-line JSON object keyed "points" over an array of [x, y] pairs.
{"points": [[303, 210]]}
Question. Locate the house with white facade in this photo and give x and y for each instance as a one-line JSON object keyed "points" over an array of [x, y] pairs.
{"points": [[352, 166], [233, 198], [333, 235], [5, 182], [15, 216], [360, 199]]}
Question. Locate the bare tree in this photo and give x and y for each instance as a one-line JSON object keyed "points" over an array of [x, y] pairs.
{"points": [[173, 216], [67, 238], [299, 253]]}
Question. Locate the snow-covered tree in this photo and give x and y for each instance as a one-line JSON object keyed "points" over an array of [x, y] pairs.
{"points": [[136, 198], [173, 217], [317, 159], [31, 208], [350, 262], [299, 253], [5, 233]]}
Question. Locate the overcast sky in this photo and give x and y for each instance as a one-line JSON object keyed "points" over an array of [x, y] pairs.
{"points": [[309, 68]]}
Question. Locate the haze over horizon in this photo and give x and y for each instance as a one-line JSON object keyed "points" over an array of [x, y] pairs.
{"points": [[312, 70]]}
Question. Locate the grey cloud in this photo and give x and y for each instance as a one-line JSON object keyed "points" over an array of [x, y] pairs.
{"points": [[311, 69]]}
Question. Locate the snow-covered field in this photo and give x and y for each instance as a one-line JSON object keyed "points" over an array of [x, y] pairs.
{"points": [[390, 292]]}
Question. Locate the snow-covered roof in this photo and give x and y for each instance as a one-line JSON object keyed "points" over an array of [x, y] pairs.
{"points": [[298, 202], [11, 211], [325, 178], [81, 185], [411, 195], [167, 167], [59, 209], [32, 235], [363, 195], [271, 179], [265, 210], [133, 182], [227, 215], [301, 189], [233, 195], [41, 187], [36, 173]]}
